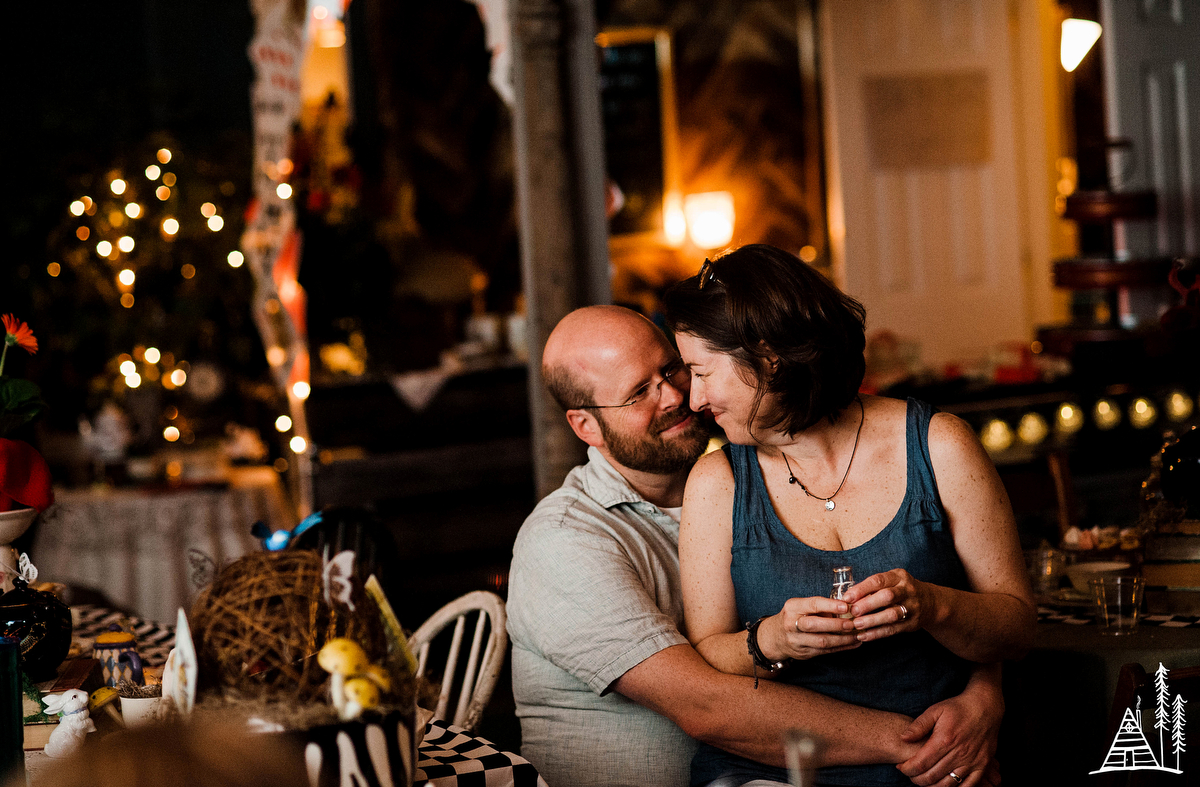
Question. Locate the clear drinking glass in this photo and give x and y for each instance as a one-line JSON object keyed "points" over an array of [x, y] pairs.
{"points": [[1118, 602], [843, 580]]}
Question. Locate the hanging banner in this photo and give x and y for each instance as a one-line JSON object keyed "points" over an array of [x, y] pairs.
{"points": [[271, 242]]}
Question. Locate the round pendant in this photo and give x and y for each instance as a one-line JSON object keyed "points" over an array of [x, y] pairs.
{"points": [[828, 505]]}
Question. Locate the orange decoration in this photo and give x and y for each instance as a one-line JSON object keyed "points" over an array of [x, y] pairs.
{"points": [[18, 333]]}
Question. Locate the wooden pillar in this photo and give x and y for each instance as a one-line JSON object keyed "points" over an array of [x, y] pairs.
{"points": [[559, 149]]}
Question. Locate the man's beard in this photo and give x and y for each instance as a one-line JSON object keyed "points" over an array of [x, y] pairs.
{"points": [[650, 453]]}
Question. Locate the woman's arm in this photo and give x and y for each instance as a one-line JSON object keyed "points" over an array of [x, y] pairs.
{"points": [[710, 609], [996, 620]]}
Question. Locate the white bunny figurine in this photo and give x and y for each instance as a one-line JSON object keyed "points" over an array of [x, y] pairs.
{"points": [[75, 723]]}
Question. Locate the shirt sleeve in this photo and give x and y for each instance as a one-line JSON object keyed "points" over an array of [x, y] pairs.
{"points": [[577, 597]]}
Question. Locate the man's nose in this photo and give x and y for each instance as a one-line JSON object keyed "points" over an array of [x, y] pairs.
{"points": [[671, 396]]}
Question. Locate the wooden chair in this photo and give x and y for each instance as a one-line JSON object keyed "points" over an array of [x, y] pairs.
{"points": [[479, 675]]}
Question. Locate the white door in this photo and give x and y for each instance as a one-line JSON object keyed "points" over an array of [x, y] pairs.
{"points": [[1152, 69], [929, 190]]}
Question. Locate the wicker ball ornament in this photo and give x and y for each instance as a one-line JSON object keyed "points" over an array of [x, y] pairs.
{"points": [[258, 627]]}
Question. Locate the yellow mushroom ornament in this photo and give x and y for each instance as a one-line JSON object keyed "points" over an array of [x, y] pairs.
{"points": [[356, 684]]}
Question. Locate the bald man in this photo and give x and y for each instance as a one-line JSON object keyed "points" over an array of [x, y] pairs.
{"points": [[608, 690]]}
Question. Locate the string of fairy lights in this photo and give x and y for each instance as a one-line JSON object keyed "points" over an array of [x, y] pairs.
{"points": [[1106, 413], [112, 232]]}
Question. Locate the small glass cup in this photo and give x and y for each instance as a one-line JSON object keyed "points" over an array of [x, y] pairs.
{"points": [[1118, 603], [1046, 566], [800, 751]]}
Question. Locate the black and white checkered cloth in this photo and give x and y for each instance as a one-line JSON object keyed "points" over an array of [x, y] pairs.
{"points": [[1082, 617], [154, 641], [450, 757]]}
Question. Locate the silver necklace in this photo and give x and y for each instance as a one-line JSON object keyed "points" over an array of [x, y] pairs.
{"points": [[829, 504]]}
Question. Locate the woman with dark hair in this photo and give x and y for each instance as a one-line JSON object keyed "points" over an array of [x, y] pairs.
{"points": [[819, 477]]}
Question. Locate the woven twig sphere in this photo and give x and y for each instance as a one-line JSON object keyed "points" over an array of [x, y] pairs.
{"points": [[258, 627]]}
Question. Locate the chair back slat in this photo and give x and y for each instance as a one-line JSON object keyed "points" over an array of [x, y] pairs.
{"points": [[422, 658], [468, 684], [451, 665]]}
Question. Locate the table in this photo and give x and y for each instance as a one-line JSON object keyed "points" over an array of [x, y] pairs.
{"points": [[133, 544], [1059, 696], [451, 757], [154, 641], [448, 756]]}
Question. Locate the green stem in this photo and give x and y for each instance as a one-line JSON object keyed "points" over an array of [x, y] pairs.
{"points": [[3, 355]]}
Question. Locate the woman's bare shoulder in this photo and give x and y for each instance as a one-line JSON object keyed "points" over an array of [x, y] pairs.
{"points": [[712, 468], [953, 446]]}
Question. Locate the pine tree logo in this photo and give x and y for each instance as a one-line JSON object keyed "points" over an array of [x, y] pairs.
{"points": [[1130, 751]]}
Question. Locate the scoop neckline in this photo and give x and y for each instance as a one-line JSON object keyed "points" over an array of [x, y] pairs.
{"points": [[905, 502]]}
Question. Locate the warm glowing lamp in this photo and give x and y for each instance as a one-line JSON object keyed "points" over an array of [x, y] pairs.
{"points": [[298, 444], [1078, 36], [709, 218], [996, 435], [1106, 414], [152, 355], [674, 222], [1069, 419], [283, 423], [1179, 406], [1032, 428], [1142, 413]]}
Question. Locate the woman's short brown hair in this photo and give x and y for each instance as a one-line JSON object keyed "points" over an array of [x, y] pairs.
{"points": [[759, 303]]}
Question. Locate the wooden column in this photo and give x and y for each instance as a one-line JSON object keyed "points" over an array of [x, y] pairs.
{"points": [[559, 147]]}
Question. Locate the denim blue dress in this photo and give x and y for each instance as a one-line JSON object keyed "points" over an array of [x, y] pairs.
{"points": [[905, 673]]}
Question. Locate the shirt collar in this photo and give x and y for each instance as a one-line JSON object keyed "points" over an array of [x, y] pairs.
{"points": [[601, 482]]}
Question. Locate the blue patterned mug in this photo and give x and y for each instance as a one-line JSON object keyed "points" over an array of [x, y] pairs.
{"points": [[119, 660]]}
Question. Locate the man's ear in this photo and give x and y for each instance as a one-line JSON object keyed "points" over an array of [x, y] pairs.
{"points": [[586, 427]]}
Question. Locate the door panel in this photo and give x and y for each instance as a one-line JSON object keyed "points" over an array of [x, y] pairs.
{"points": [[921, 120]]}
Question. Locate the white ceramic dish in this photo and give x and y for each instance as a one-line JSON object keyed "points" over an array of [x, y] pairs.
{"points": [[1080, 573]]}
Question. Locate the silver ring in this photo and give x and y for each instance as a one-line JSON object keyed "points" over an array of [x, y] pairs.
{"points": [[957, 779], [904, 617]]}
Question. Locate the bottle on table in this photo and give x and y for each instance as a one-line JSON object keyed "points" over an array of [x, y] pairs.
{"points": [[843, 579], [12, 727]]}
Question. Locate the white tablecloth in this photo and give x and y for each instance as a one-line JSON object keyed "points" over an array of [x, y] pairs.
{"points": [[132, 545]]}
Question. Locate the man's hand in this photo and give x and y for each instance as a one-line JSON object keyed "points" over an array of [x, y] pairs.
{"points": [[960, 736]]}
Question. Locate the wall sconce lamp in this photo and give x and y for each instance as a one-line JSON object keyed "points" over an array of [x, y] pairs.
{"points": [[674, 222], [709, 218], [1078, 36]]}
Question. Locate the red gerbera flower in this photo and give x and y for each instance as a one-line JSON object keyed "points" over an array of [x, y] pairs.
{"points": [[18, 333]]}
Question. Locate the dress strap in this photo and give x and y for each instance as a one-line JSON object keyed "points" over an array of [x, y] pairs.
{"points": [[749, 490], [922, 484]]}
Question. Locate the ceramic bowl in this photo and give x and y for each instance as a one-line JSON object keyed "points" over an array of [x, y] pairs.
{"points": [[14, 523], [1080, 573]]}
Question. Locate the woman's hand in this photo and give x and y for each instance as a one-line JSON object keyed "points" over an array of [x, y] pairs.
{"points": [[959, 736], [889, 603], [807, 627]]}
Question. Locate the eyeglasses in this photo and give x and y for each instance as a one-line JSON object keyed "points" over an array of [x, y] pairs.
{"points": [[706, 274], [674, 373]]}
